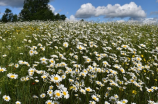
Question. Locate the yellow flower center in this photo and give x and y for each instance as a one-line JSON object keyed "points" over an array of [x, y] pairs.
{"points": [[80, 48], [1, 69], [55, 78], [12, 76], [64, 93], [88, 89], [58, 94], [6, 98], [49, 103]]}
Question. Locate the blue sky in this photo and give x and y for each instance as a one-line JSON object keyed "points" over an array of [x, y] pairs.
{"points": [[96, 10]]}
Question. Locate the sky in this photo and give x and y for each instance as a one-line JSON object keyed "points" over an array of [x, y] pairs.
{"points": [[145, 11]]}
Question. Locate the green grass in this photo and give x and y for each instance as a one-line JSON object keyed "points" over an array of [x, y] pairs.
{"points": [[83, 67]]}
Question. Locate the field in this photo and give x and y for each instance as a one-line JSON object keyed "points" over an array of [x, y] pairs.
{"points": [[78, 63]]}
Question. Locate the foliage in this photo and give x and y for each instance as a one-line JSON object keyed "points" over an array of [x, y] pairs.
{"points": [[8, 16], [37, 10]]}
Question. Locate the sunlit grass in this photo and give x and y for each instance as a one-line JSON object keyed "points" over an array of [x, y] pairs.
{"points": [[78, 62]]}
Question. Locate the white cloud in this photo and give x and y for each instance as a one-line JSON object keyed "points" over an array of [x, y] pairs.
{"points": [[86, 10], [51, 7], [127, 10], [150, 20], [142, 21], [72, 18]]}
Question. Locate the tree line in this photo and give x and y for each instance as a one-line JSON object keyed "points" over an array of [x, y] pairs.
{"points": [[32, 10]]}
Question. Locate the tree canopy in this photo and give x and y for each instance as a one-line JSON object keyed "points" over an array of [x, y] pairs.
{"points": [[33, 10]]}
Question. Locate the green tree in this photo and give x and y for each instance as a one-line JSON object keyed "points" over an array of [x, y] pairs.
{"points": [[62, 17], [82, 20], [15, 18], [57, 16], [7, 16], [36, 10]]}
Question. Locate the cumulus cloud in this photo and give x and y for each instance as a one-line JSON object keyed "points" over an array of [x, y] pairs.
{"points": [[51, 7], [72, 18], [86, 11], [150, 21], [111, 11], [13, 3], [142, 20]]}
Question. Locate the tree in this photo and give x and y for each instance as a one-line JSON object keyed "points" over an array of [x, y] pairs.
{"points": [[15, 18], [62, 17], [57, 16], [82, 20], [36, 10], [8, 16]]}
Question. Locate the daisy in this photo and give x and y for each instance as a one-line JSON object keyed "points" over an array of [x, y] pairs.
{"points": [[83, 91], [43, 95], [43, 59], [138, 59], [116, 96], [49, 102], [51, 87], [88, 89], [44, 76], [88, 60], [58, 93], [124, 46], [65, 44], [66, 94], [16, 65], [12, 76], [92, 102], [31, 52], [17, 102], [105, 63], [55, 78], [149, 90], [52, 61], [6, 98], [95, 98], [34, 96], [155, 88], [63, 76], [106, 102], [50, 92], [83, 74], [2, 69], [56, 102], [122, 70], [124, 101], [80, 47]]}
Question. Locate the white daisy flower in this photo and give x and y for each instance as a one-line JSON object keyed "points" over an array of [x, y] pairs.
{"points": [[2, 69], [17, 102], [49, 102], [55, 78], [6, 98], [65, 44], [43, 95], [66, 94], [58, 93], [12, 76]]}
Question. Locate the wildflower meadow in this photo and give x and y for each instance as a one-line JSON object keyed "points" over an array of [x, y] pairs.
{"points": [[65, 62]]}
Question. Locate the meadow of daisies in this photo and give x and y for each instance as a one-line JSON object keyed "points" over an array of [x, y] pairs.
{"points": [[78, 63]]}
